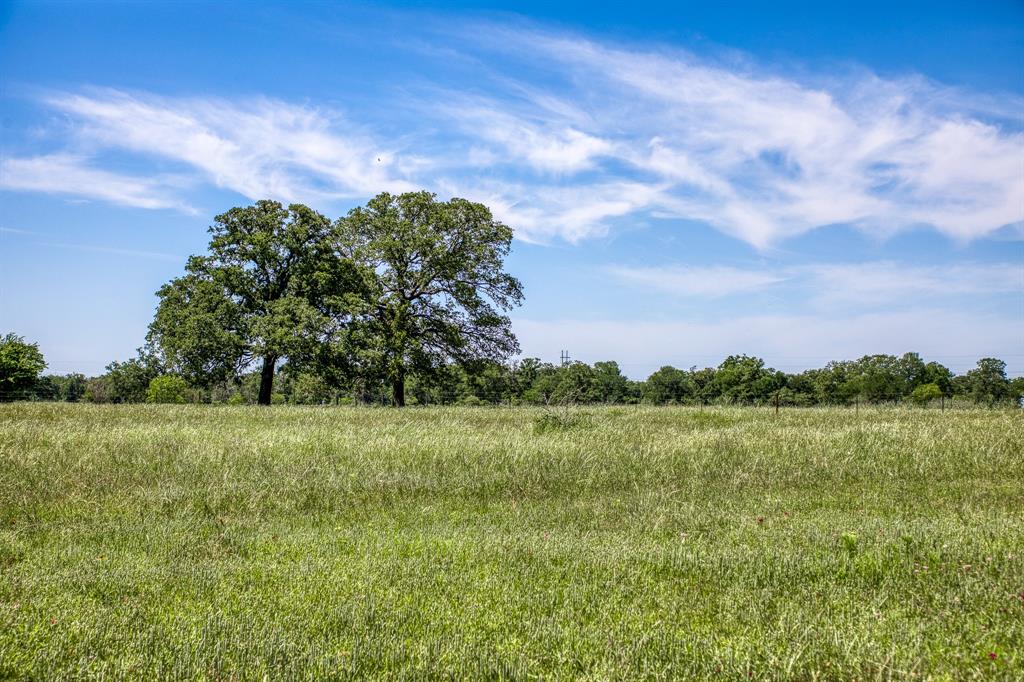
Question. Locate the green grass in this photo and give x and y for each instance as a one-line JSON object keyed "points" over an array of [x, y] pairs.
{"points": [[626, 543]]}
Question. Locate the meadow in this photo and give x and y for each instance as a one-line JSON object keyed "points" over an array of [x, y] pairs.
{"points": [[199, 542]]}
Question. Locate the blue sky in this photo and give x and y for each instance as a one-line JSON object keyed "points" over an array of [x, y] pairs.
{"points": [[685, 181]]}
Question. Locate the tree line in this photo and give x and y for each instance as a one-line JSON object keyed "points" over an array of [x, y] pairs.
{"points": [[737, 380], [403, 300]]}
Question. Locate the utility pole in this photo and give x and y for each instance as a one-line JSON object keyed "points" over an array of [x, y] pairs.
{"points": [[565, 358]]}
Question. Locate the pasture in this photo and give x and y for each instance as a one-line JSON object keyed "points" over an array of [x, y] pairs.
{"points": [[222, 542]]}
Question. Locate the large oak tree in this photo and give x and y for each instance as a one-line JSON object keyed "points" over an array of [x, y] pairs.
{"points": [[272, 287], [437, 286]]}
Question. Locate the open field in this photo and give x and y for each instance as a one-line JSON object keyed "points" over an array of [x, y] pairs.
{"points": [[234, 542]]}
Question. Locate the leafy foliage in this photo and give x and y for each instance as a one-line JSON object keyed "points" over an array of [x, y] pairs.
{"points": [[925, 393], [20, 365], [270, 288], [168, 388], [437, 287]]}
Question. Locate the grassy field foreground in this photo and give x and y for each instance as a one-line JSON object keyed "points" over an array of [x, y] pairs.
{"points": [[222, 542]]}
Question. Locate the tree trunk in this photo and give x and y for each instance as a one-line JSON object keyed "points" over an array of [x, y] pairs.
{"points": [[398, 391], [266, 380]]}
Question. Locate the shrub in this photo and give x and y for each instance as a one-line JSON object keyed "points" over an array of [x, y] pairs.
{"points": [[167, 389], [925, 393]]}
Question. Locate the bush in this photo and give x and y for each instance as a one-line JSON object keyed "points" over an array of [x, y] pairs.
{"points": [[167, 389], [925, 393]]}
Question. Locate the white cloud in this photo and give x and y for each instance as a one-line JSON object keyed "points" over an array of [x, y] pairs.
{"points": [[258, 148], [70, 174], [566, 211], [764, 157], [600, 135], [557, 148]]}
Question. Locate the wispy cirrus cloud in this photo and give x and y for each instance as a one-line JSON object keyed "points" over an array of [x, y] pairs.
{"points": [[72, 175], [763, 157], [568, 137], [257, 147]]}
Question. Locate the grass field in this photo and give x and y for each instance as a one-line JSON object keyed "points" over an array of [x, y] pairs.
{"points": [[622, 543]]}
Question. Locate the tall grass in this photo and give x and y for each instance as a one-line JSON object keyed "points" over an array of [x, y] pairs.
{"points": [[631, 543]]}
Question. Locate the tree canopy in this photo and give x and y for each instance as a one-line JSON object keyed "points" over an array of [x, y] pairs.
{"points": [[437, 286], [20, 366], [270, 288]]}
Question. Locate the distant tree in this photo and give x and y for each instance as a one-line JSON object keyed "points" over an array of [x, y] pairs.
{"points": [[577, 383], [801, 389], [878, 378], [566, 385], [611, 385], [705, 389], [925, 393], [97, 390], [987, 382], [667, 385], [272, 287], [1017, 390], [961, 386], [525, 374], [912, 371], [69, 388], [788, 396], [438, 286], [545, 380], [834, 384], [490, 382], [941, 376], [20, 366], [168, 388], [128, 381], [46, 387], [745, 379]]}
